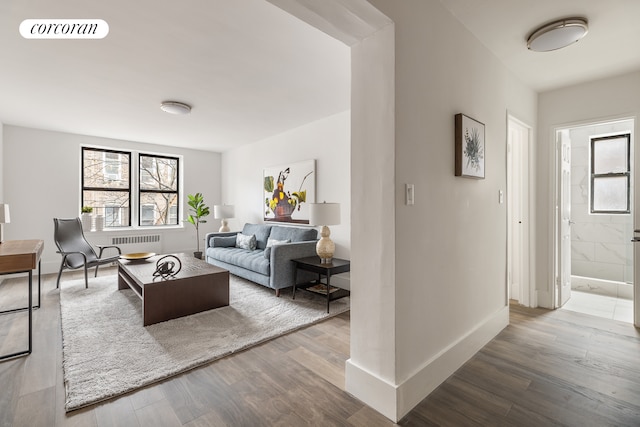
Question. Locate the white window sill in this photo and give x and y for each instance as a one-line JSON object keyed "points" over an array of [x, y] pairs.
{"points": [[136, 229]]}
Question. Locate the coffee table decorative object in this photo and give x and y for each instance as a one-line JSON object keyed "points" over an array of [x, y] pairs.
{"points": [[196, 286], [137, 256], [166, 266]]}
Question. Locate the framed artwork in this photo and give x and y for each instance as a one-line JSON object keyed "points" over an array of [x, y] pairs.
{"points": [[288, 189], [469, 147]]}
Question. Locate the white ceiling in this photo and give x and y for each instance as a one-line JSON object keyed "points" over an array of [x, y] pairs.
{"points": [[609, 48], [249, 69]]}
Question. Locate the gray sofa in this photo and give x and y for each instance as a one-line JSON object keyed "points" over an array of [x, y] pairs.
{"points": [[269, 263]]}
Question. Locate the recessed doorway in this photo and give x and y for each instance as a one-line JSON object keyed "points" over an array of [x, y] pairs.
{"points": [[518, 213], [595, 219]]}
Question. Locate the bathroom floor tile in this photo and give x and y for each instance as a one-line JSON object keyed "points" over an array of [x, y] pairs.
{"points": [[601, 306]]}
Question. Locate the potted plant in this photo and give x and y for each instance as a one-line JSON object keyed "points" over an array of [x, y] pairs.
{"points": [[198, 211], [86, 217]]}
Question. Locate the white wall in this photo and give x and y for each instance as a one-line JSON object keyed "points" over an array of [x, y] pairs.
{"points": [[1, 163], [42, 181], [370, 372], [596, 101], [438, 291], [450, 263], [601, 246], [327, 141]]}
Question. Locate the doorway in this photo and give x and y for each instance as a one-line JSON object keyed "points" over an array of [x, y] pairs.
{"points": [[518, 213], [594, 257]]}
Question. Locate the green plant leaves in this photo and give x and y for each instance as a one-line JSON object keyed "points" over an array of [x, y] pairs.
{"points": [[268, 184], [198, 209]]}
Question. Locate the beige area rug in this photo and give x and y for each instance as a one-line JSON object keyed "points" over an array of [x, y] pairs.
{"points": [[107, 351]]}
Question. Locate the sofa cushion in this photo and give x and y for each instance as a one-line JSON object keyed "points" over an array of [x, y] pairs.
{"points": [[223, 241], [293, 234], [244, 241], [273, 242], [251, 260], [261, 232]]}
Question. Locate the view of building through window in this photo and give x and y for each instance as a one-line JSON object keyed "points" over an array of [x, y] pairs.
{"points": [[158, 190], [107, 187], [610, 174]]}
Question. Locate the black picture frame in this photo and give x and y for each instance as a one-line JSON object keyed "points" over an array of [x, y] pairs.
{"points": [[469, 147]]}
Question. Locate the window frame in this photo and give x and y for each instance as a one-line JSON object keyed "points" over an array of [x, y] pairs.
{"points": [[84, 188], [115, 213], [134, 191], [108, 163], [141, 191], [593, 176]]}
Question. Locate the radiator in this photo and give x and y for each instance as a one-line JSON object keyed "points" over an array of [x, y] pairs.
{"points": [[141, 243]]}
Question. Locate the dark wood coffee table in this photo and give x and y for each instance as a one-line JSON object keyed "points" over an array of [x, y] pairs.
{"points": [[199, 286]]}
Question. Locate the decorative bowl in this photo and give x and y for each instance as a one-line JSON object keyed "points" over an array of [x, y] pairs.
{"points": [[137, 256]]}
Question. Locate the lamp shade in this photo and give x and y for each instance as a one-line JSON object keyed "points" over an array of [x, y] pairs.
{"points": [[223, 211], [324, 213], [4, 214]]}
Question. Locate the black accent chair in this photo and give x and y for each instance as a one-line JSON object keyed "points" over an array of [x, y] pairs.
{"points": [[75, 250]]}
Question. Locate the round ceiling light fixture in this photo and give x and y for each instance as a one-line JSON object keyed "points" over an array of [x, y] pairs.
{"points": [[174, 107], [558, 34]]}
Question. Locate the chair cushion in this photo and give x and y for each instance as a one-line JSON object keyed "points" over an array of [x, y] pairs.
{"points": [[261, 232], [273, 242], [251, 260], [223, 241], [247, 242], [293, 234]]}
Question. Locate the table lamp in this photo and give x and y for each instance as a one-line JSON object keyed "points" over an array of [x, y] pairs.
{"points": [[4, 219], [324, 214], [223, 212]]}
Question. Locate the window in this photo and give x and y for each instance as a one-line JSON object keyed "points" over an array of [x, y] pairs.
{"points": [[112, 166], [106, 184], [610, 174], [158, 190], [114, 181], [112, 215], [173, 214], [147, 214]]}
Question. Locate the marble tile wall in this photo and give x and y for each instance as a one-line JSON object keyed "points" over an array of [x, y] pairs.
{"points": [[601, 245]]}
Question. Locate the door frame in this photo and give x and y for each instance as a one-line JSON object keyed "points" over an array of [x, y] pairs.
{"points": [[556, 238], [528, 294], [559, 299]]}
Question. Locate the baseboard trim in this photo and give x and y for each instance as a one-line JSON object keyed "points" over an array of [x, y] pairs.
{"points": [[371, 389], [395, 401], [442, 366]]}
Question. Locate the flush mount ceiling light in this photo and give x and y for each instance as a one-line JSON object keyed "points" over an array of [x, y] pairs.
{"points": [[174, 107], [558, 34]]}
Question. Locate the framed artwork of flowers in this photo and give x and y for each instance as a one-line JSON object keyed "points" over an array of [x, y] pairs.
{"points": [[288, 189], [469, 147]]}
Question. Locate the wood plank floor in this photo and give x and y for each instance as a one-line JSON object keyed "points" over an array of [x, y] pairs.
{"points": [[546, 368]]}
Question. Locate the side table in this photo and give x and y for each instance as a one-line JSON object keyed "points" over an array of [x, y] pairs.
{"points": [[22, 256], [314, 265]]}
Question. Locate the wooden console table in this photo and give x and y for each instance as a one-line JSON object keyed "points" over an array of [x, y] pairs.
{"points": [[22, 256]]}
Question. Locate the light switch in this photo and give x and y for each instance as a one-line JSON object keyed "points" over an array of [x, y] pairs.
{"points": [[409, 191], [500, 197]]}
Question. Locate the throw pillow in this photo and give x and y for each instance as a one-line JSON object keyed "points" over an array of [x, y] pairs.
{"points": [[273, 242], [244, 241], [223, 241]]}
